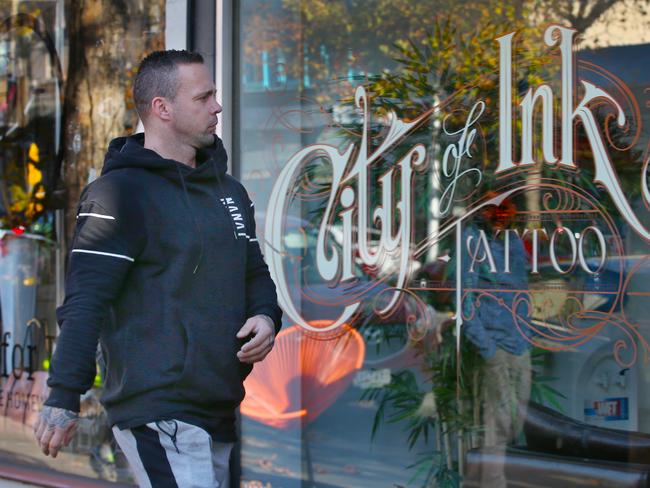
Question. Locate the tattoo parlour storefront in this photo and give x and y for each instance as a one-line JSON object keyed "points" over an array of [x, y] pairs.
{"points": [[452, 198]]}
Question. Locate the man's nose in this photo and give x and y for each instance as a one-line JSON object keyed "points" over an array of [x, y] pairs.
{"points": [[217, 108]]}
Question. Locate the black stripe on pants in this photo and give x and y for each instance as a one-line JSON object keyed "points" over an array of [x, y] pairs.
{"points": [[153, 457]]}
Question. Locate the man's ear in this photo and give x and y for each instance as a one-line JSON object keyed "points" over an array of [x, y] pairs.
{"points": [[160, 108]]}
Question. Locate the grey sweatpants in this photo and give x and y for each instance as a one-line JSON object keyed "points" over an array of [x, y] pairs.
{"points": [[505, 393], [175, 454]]}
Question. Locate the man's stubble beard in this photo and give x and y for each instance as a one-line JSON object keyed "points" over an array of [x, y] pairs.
{"points": [[197, 140], [205, 140], [200, 141]]}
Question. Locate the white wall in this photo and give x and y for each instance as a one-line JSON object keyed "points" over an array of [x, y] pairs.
{"points": [[176, 24]]}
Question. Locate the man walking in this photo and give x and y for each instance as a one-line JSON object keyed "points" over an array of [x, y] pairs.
{"points": [[166, 273]]}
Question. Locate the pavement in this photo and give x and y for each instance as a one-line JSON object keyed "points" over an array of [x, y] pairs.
{"points": [[15, 484]]}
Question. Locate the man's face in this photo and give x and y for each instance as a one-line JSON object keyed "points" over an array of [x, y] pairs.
{"points": [[195, 108]]}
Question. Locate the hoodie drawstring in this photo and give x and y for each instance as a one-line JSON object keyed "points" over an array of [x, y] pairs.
{"points": [[196, 224], [172, 436]]}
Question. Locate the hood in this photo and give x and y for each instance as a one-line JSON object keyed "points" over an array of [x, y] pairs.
{"points": [[129, 152]]}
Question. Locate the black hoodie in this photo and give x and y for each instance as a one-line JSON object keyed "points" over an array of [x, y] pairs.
{"points": [[164, 270]]}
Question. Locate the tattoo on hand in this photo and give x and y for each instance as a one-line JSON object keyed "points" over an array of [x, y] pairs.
{"points": [[59, 418]]}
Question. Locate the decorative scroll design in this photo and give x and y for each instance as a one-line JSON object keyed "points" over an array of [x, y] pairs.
{"points": [[344, 177]]}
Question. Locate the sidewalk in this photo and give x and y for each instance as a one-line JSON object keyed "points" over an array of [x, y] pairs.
{"points": [[14, 484], [21, 459]]}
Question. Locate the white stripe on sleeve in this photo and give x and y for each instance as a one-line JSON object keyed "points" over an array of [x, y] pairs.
{"points": [[99, 216], [120, 256]]}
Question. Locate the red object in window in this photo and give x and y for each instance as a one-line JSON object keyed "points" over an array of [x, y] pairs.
{"points": [[18, 230], [302, 376], [528, 246]]}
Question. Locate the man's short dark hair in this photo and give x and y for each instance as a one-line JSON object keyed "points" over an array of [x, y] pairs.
{"points": [[158, 77]]}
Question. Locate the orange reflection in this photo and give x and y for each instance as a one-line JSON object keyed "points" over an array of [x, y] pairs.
{"points": [[302, 376]]}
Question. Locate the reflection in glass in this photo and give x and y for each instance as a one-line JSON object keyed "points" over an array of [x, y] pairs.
{"points": [[507, 340]]}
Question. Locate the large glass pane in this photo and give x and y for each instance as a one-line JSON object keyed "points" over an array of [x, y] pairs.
{"points": [[31, 80], [66, 69], [452, 198]]}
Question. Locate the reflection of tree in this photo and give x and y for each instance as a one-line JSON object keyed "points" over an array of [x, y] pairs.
{"points": [[327, 40], [456, 66], [331, 39], [582, 14], [106, 42], [30, 78]]}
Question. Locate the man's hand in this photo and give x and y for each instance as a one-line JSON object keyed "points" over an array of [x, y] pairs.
{"points": [[55, 428], [263, 331]]}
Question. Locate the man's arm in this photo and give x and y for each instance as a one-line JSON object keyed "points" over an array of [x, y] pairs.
{"points": [[104, 247], [261, 296], [264, 315]]}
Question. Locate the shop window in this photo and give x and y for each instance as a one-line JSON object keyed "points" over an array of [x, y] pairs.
{"points": [[65, 81], [453, 200]]}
